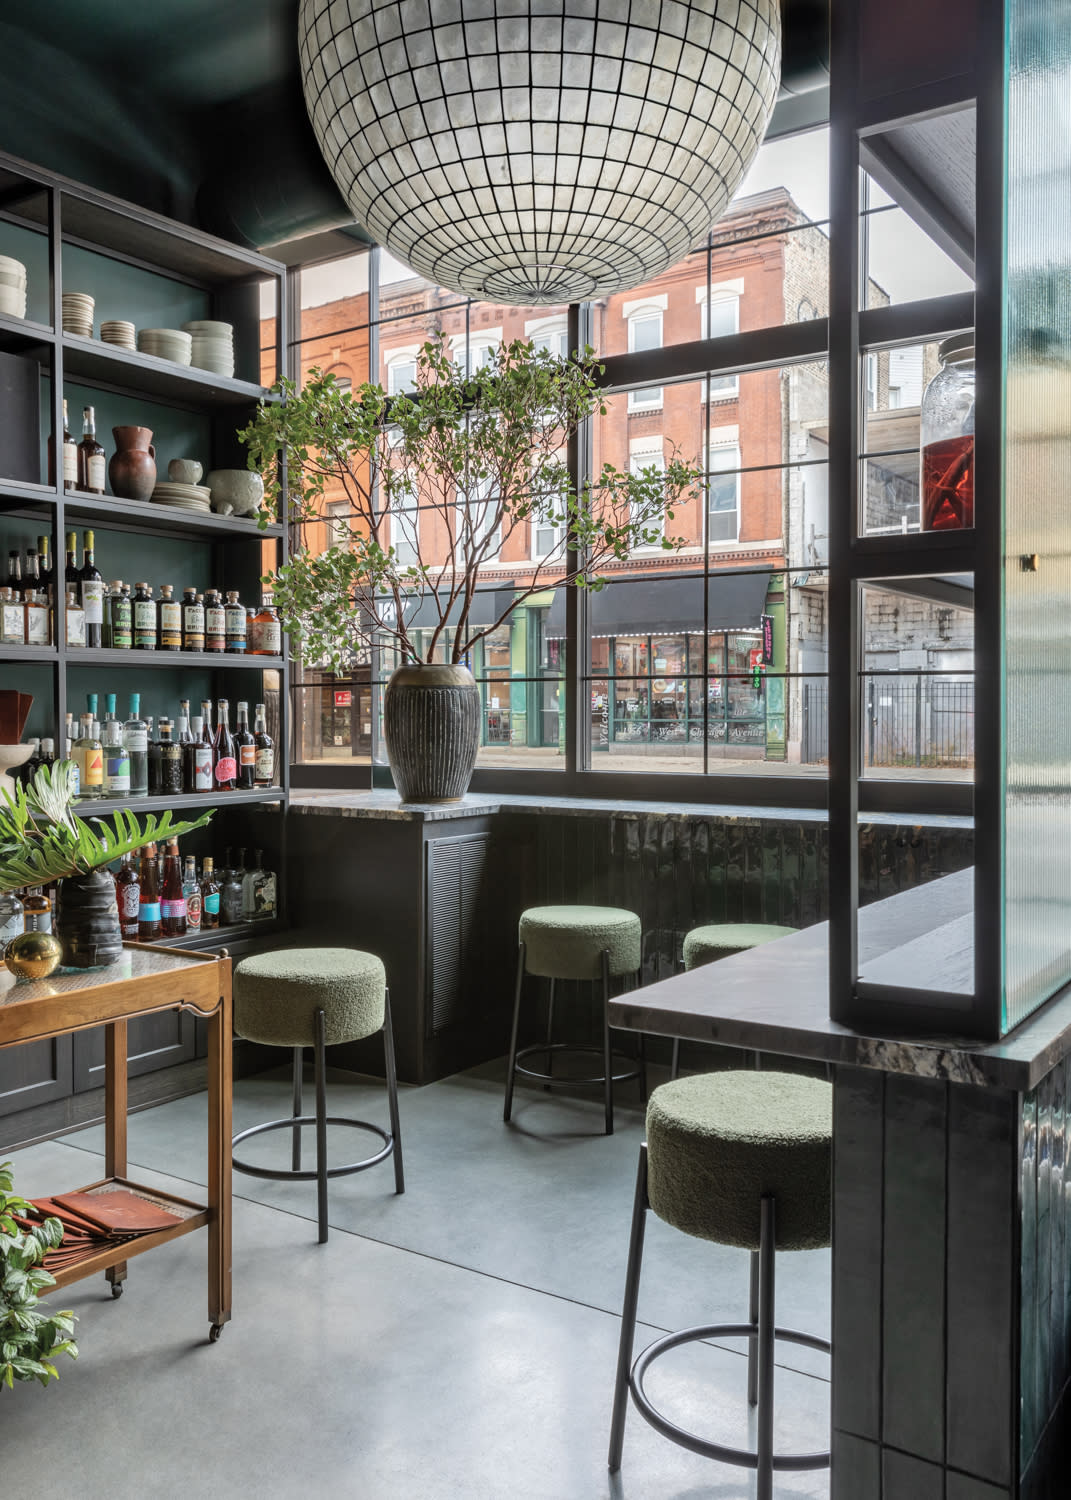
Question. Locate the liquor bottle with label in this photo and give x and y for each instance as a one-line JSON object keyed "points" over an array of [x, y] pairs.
{"points": [[136, 741], [122, 617], [258, 891], [89, 758], [145, 632], [193, 621], [70, 455], [247, 751], [69, 737], [191, 889], [170, 620], [184, 735], [234, 617], [12, 918], [44, 553], [116, 755], [14, 572], [72, 576], [92, 592], [265, 760], [224, 750], [75, 617], [149, 896], [128, 896], [91, 456], [48, 751], [37, 910], [173, 900], [35, 626], [230, 896], [265, 631], [215, 622], [205, 756], [170, 761], [209, 896], [155, 760], [31, 577]]}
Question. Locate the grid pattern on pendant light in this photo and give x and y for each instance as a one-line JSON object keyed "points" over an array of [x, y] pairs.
{"points": [[534, 151]]}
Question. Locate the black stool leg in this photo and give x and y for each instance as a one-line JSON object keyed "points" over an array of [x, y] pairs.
{"points": [[753, 1341], [511, 1066], [321, 1128], [675, 1059], [299, 1062], [607, 1050], [550, 1032], [628, 1314], [767, 1243], [391, 1070]]}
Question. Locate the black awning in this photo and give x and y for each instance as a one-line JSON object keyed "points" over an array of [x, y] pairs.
{"points": [[487, 606], [671, 606]]}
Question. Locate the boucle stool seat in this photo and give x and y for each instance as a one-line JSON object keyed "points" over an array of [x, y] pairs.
{"points": [[744, 1159], [317, 997], [578, 942], [704, 945]]}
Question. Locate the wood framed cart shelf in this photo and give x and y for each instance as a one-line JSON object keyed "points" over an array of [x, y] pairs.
{"points": [[145, 981]]}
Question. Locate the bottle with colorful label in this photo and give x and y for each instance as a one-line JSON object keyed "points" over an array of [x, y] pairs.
{"points": [[173, 900], [149, 915], [128, 897], [191, 890]]}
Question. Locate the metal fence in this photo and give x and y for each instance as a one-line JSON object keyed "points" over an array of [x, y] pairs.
{"points": [[920, 720]]}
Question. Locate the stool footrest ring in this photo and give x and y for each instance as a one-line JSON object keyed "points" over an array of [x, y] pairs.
{"points": [[742, 1457], [561, 1079], [288, 1174]]}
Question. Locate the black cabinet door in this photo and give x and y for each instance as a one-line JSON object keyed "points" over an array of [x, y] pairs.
{"points": [[155, 1041], [35, 1073]]}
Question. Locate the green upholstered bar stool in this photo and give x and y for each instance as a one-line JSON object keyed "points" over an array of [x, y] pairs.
{"points": [[742, 1159], [317, 997], [704, 945], [594, 943]]}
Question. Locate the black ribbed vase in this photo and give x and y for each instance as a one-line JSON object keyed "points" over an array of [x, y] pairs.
{"points": [[87, 921], [431, 724]]}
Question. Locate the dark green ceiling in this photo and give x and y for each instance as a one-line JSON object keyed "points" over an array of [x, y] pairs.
{"points": [[194, 107]]}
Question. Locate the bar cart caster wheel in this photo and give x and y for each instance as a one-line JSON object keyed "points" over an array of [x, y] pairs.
{"points": [[214, 1333], [117, 1289]]}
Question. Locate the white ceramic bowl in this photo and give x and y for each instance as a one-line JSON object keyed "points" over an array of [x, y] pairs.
{"points": [[206, 326], [241, 489], [184, 470]]}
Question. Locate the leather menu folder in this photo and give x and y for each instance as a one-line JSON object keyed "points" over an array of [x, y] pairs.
{"points": [[118, 1212]]}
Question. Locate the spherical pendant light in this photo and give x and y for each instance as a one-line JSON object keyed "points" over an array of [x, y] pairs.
{"points": [[536, 151]]}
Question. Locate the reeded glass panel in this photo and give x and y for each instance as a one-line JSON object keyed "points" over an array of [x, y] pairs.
{"points": [[1037, 690]]}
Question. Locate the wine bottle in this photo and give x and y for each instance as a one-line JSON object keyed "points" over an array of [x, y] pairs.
{"points": [[265, 761], [204, 759], [224, 750], [72, 577], [92, 592], [14, 572], [173, 902], [247, 751], [91, 456], [149, 914], [128, 896]]}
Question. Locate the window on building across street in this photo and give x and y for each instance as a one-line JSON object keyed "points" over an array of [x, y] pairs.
{"points": [[401, 372], [644, 334], [647, 454], [479, 519], [337, 513], [723, 499], [720, 318], [545, 530], [405, 526], [551, 334]]}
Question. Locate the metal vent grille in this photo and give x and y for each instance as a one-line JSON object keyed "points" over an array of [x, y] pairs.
{"points": [[457, 869]]}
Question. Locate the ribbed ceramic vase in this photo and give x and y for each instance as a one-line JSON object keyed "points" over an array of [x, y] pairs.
{"points": [[431, 724], [87, 921]]}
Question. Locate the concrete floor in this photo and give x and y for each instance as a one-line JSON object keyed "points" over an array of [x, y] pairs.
{"points": [[457, 1343]]}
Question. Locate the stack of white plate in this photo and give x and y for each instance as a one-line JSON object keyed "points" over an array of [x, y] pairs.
{"points": [[166, 343], [118, 333], [182, 496], [78, 313], [12, 287], [213, 345]]}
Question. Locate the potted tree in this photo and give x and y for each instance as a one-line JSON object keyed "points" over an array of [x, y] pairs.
{"points": [[42, 839], [436, 483]]}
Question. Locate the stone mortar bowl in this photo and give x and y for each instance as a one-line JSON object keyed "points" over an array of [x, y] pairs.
{"points": [[237, 492]]}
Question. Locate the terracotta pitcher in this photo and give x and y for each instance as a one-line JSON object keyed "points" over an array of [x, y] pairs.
{"points": [[132, 470]]}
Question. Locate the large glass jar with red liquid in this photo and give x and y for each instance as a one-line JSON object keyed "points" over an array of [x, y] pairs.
{"points": [[947, 439]]}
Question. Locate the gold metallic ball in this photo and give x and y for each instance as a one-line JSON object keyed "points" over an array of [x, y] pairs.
{"points": [[33, 955]]}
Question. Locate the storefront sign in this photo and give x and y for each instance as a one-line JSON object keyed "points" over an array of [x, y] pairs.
{"points": [[767, 640], [755, 663], [343, 698]]}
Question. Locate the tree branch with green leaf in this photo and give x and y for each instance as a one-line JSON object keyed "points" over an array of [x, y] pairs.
{"points": [[436, 482]]}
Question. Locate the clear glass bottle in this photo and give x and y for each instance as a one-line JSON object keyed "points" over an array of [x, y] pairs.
{"points": [[265, 631], [170, 612], [89, 758], [258, 891], [116, 755], [12, 918], [12, 618], [121, 612], [145, 626], [37, 910], [231, 892], [128, 897], [191, 890], [35, 608], [234, 620], [136, 741], [946, 438], [76, 620], [265, 757], [209, 895]]}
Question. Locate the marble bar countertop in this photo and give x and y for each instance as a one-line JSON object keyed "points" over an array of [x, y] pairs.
{"points": [[387, 804], [775, 998]]}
